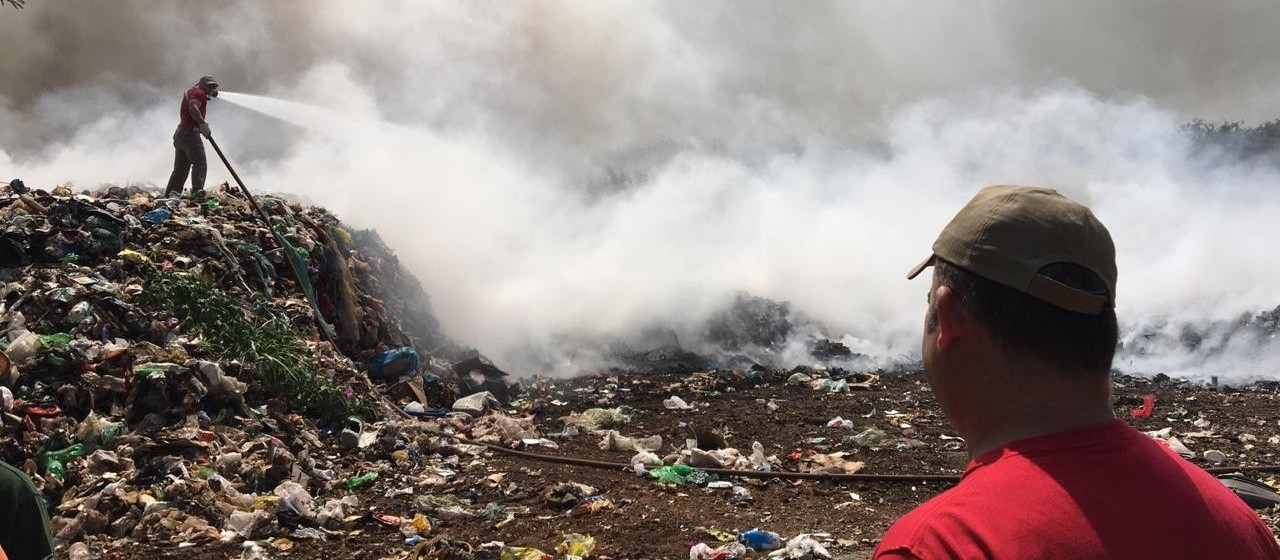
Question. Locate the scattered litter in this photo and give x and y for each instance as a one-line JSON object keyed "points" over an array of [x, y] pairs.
{"points": [[614, 441], [594, 419], [871, 437], [758, 539], [839, 422], [730, 551], [802, 547], [675, 403], [523, 553], [476, 404], [141, 393], [576, 546], [1148, 405]]}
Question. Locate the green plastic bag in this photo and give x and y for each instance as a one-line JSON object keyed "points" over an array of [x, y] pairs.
{"points": [[672, 474]]}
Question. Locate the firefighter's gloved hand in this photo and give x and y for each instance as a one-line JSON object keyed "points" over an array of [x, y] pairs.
{"points": [[204, 129]]}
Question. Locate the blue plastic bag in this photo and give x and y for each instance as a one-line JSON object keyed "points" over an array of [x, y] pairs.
{"points": [[156, 216], [394, 362]]}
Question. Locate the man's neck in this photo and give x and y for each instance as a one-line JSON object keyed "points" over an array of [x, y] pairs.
{"points": [[1027, 406]]}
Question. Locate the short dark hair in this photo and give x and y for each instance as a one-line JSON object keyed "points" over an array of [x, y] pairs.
{"points": [[1023, 324]]}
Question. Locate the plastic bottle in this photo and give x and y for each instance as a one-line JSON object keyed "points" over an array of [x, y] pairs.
{"points": [[759, 539], [55, 461], [757, 455], [23, 346], [361, 480]]}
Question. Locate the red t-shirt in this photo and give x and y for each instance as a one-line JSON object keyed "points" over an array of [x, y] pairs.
{"points": [[184, 112], [1103, 491]]}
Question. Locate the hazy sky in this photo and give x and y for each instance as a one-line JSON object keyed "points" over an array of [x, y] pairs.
{"points": [[613, 75], [591, 169]]}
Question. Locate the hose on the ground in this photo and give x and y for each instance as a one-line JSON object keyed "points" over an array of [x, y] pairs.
{"points": [[785, 475]]}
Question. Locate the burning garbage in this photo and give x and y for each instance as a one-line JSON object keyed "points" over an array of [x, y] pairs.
{"points": [[171, 379]]}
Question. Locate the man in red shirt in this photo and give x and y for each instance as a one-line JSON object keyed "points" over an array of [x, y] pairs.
{"points": [[188, 148], [1019, 337]]}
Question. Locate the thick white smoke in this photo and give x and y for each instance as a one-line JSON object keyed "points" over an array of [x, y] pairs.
{"points": [[596, 169]]}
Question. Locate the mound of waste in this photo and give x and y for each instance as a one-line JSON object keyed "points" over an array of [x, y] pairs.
{"points": [[216, 379], [169, 367]]}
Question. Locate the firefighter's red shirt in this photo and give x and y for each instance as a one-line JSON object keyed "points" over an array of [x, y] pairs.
{"points": [[184, 113]]}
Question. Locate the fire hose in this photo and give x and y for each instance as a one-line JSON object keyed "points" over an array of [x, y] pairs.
{"points": [[299, 268], [785, 475]]}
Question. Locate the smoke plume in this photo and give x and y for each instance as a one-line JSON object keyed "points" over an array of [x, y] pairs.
{"points": [[557, 172]]}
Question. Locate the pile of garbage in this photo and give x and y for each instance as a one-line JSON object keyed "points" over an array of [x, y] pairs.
{"points": [[265, 382], [182, 371]]}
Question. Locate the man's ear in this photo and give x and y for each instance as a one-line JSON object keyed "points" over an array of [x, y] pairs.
{"points": [[953, 321]]}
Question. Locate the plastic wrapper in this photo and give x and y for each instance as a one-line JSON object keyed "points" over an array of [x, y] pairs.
{"points": [[523, 553], [576, 545], [294, 497]]}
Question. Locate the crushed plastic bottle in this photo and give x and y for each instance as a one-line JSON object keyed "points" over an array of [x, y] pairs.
{"points": [[361, 480], [23, 346]]}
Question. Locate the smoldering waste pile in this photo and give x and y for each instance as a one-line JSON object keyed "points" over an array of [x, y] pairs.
{"points": [[178, 373], [189, 380], [171, 368]]}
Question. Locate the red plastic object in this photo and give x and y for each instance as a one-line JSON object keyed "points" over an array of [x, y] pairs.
{"points": [[1148, 405], [46, 411], [388, 520]]}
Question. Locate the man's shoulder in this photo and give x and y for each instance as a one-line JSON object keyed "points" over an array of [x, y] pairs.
{"points": [[941, 515], [196, 93], [1077, 499], [14, 482]]}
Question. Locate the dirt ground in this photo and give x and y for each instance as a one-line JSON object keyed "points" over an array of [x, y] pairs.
{"points": [[651, 520]]}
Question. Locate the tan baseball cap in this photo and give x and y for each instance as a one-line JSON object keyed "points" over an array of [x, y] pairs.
{"points": [[1008, 234]]}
